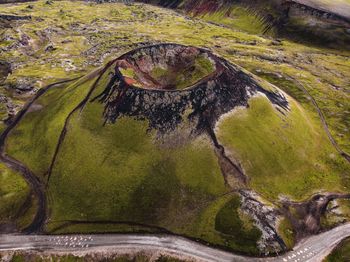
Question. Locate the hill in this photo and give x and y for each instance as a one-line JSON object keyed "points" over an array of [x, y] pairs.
{"points": [[175, 138]]}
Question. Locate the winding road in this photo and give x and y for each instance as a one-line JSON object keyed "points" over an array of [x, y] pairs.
{"points": [[36, 185], [312, 249]]}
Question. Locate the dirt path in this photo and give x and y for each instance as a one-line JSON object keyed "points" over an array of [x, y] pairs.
{"points": [[33, 181], [323, 119], [64, 129]]}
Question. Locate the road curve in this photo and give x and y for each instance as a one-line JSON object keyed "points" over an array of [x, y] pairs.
{"points": [[33, 181], [312, 249]]}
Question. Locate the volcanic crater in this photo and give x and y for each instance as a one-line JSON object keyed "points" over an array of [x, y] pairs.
{"points": [[169, 83]]}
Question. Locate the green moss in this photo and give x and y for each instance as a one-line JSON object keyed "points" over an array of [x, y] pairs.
{"points": [[28, 216], [120, 171], [13, 193], [204, 226], [33, 141], [107, 227], [274, 148], [285, 230], [229, 222], [117, 172], [159, 72], [238, 18]]}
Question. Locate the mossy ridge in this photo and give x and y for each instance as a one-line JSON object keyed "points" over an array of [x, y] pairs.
{"points": [[204, 227], [293, 151], [238, 18], [14, 192], [45, 124], [128, 139], [332, 101], [231, 222]]}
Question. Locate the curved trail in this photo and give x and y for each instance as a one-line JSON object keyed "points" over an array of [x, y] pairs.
{"points": [[312, 249], [34, 182], [323, 119], [66, 122]]}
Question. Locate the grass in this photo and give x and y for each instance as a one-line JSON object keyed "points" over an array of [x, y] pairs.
{"points": [[229, 222], [239, 18], [285, 230], [119, 169], [13, 194], [274, 148], [98, 228], [132, 172], [27, 136], [206, 224]]}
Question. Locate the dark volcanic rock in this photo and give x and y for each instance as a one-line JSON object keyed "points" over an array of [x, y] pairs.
{"points": [[23, 85], [306, 216], [201, 104], [5, 70], [266, 219]]}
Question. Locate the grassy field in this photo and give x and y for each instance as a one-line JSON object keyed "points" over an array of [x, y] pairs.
{"points": [[274, 148], [239, 19], [27, 137], [13, 193]]}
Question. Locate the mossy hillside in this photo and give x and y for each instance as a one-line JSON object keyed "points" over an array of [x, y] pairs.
{"points": [[324, 78], [13, 193], [238, 17], [221, 214], [233, 223], [142, 168], [125, 155], [324, 71], [117, 173], [274, 148], [38, 132]]}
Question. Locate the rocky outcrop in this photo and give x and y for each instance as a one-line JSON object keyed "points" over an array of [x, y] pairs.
{"points": [[5, 70], [306, 216], [14, 17], [266, 219]]}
